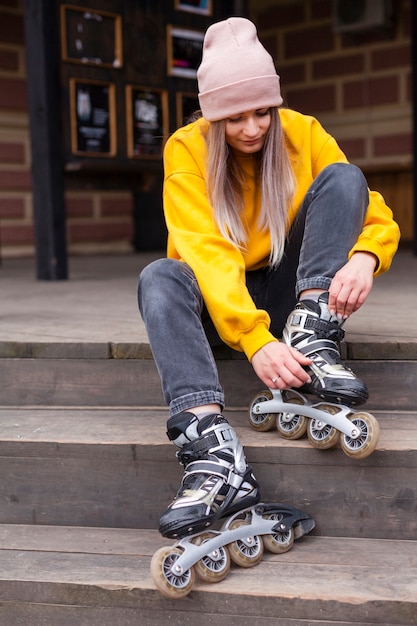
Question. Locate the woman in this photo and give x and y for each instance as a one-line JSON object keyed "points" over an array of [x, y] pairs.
{"points": [[272, 233]]}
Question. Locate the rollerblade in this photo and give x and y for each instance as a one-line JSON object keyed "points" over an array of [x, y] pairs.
{"points": [[241, 539], [217, 479], [219, 493], [311, 329]]}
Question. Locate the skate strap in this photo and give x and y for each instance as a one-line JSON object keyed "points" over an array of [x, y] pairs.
{"points": [[199, 448], [214, 468], [331, 330], [317, 346]]}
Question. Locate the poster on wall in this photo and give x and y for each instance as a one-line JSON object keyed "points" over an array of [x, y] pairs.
{"points": [[184, 51], [147, 121], [93, 123], [194, 6], [91, 37]]}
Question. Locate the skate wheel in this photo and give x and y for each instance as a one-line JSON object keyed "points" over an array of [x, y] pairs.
{"points": [[362, 446], [170, 584], [292, 425], [278, 543], [320, 434], [214, 566], [261, 422], [245, 552]]}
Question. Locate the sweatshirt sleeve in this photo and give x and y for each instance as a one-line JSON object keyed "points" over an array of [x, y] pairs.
{"points": [[218, 265]]}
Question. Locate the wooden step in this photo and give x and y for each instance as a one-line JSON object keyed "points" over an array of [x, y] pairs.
{"points": [[100, 577], [133, 382], [116, 468]]}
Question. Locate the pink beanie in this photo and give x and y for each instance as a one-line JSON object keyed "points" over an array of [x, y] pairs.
{"points": [[236, 73]]}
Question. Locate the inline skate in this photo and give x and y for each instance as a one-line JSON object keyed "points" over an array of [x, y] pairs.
{"points": [[311, 329], [240, 539], [216, 516]]}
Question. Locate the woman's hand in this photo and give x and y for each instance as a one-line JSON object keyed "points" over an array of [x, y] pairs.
{"points": [[279, 366], [351, 284]]}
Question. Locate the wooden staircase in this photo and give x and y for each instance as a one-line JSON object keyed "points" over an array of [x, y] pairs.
{"points": [[86, 470]]}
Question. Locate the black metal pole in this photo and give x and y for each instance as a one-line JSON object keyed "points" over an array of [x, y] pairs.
{"points": [[43, 81], [414, 69]]}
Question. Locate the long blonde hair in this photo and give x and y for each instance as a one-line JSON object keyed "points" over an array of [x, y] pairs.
{"points": [[275, 175]]}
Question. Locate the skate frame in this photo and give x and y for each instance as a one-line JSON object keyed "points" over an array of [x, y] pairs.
{"points": [[292, 518], [338, 420]]}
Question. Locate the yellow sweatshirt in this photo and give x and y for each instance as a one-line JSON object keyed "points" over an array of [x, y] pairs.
{"points": [[219, 266]]}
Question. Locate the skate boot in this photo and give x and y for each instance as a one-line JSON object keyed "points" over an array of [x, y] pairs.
{"points": [[313, 331], [217, 480]]}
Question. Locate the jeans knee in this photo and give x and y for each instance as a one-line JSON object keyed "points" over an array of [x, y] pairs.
{"points": [[154, 275], [162, 281], [348, 178]]}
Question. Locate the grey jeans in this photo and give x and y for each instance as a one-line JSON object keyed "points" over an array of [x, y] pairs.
{"points": [[180, 331]]}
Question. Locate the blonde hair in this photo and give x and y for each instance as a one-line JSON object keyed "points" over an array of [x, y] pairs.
{"points": [[275, 176]]}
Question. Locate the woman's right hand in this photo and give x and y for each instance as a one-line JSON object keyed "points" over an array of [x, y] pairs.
{"points": [[280, 366]]}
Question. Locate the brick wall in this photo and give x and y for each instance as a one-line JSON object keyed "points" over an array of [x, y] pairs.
{"points": [[358, 86], [97, 222]]}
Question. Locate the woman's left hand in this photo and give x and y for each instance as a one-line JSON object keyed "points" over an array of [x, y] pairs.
{"points": [[352, 284]]}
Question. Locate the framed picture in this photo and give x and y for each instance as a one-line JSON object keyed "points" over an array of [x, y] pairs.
{"points": [[184, 51], [187, 105], [91, 37], [147, 121], [194, 6], [93, 118]]}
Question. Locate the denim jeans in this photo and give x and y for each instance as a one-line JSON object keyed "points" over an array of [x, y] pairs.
{"points": [[180, 331]]}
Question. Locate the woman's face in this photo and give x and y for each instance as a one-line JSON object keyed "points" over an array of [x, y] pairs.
{"points": [[246, 132]]}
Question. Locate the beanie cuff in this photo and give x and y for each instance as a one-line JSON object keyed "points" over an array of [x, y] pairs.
{"points": [[245, 95]]}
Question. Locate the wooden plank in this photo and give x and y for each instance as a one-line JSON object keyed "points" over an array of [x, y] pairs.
{"points": [[338, 579], [131, 382], [118, 469], [82, 540]]}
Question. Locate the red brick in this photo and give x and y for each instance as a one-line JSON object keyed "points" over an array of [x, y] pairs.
{"points": [[13, 180], [407, 21], [373, 92], [281, 16], [270, 44], [291, 74], [116, 206], [307, 41], [9, 60], [312, 100], [79, 207], [16, 235], [321, 9], [390, 145], [11, 28], [12, 208], [353, 148], [339, 66], [399, 56], [409, 86], [12, 153], [364, 39], [100, 232], [13, 94]]}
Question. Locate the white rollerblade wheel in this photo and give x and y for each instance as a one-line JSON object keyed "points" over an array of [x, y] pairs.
{"points": [[171, 583], [215, 565], [362, 445], [290, 425]]}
